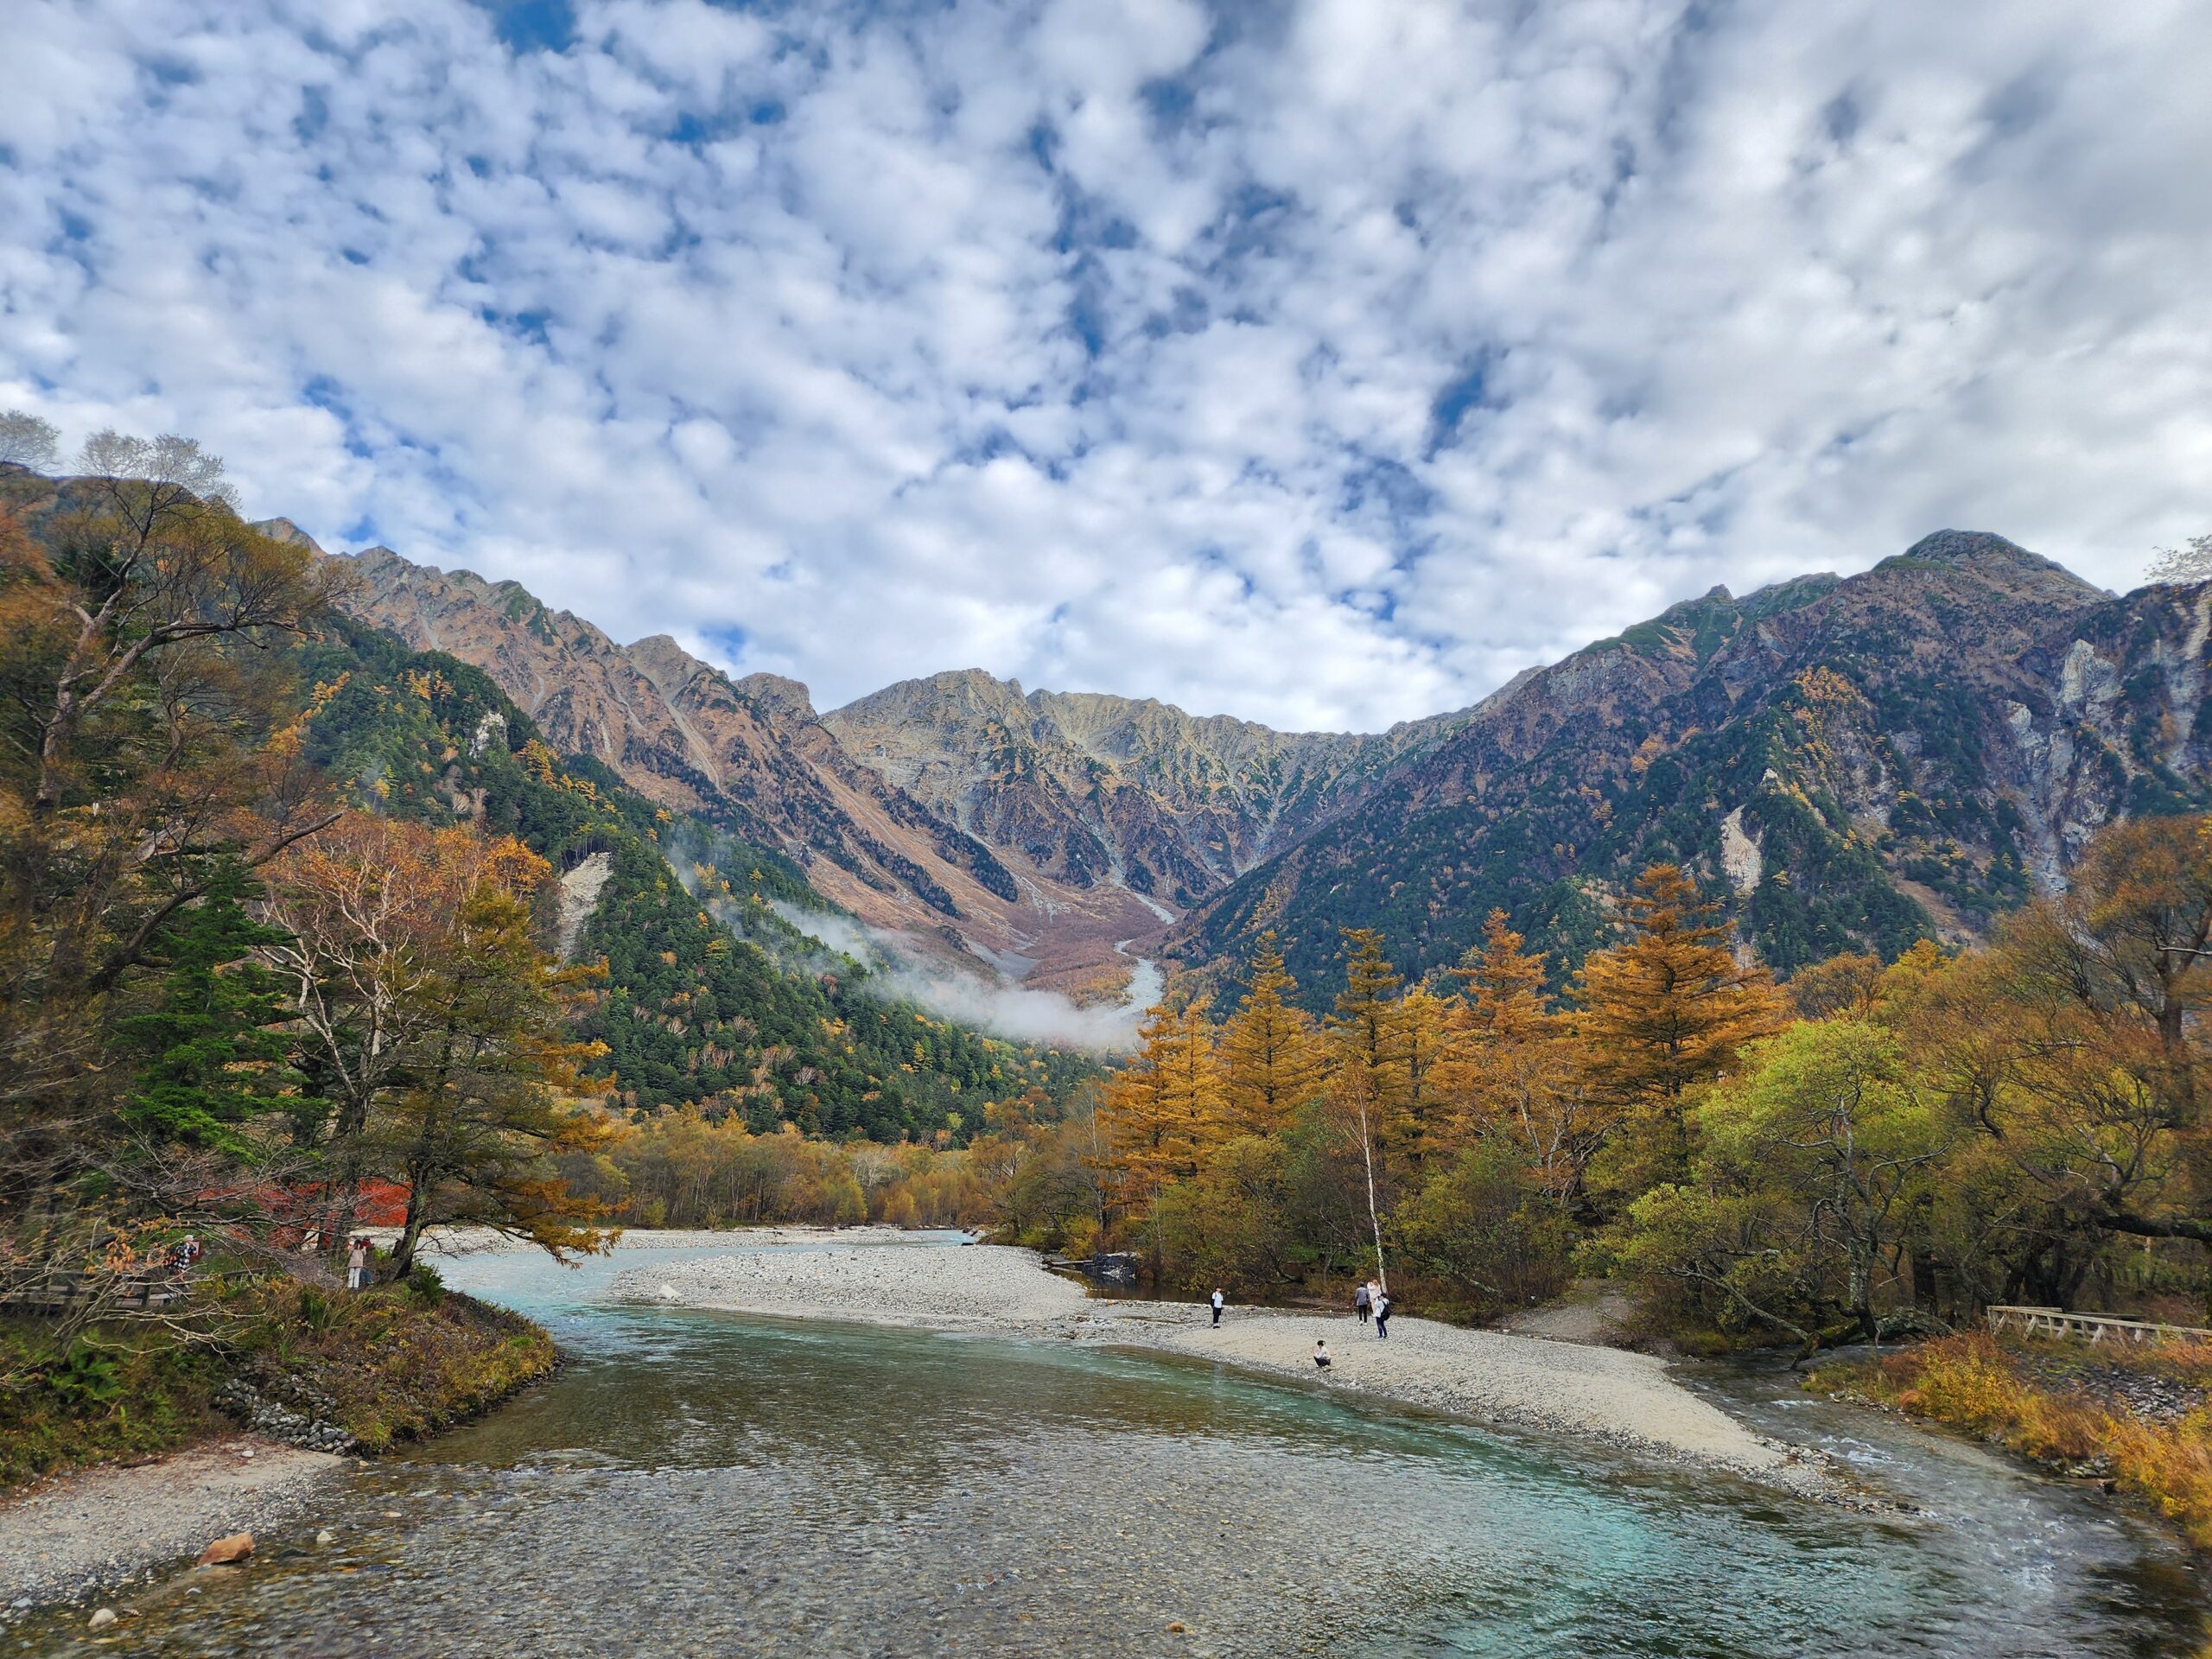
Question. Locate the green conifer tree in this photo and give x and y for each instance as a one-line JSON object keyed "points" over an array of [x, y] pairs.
{"points": [[208, 1040]]}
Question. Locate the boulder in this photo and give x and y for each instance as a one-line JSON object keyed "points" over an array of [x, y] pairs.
{"points": [[227, 1552]]}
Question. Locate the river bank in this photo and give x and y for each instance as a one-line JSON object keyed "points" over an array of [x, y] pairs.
{"points": [[85, 1533], [693, 1483], [310, 1374], [1623, 1399]]}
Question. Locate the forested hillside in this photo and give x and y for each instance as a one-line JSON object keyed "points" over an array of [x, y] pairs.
{"points": [[1847, 764], [758, 1022], [1851, 765], [748, 755], [711, 999]]}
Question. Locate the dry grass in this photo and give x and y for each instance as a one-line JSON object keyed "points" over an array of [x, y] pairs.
{"points": [[1999, 1392]]}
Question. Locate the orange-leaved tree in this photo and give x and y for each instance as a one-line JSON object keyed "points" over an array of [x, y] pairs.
{"points": [[367, 909], [1512, 1067], [1668, 1008], [493, 1097]]}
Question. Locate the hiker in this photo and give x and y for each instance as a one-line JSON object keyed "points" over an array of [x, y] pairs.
{"points": [[1360, 1303], [186, 1255], [357, 1265], [1220, 1302], [1321, 1353], [1382, 1315]]}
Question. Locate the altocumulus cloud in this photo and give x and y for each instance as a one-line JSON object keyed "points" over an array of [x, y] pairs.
{"points": [[1322, 363]]}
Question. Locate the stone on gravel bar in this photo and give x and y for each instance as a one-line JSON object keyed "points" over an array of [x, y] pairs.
{"points": [[227, 1552]]}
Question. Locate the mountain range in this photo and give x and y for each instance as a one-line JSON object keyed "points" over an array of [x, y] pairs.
{"points": [[1851, 763]]}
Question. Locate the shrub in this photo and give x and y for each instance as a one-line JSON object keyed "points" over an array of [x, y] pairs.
{"points": [[1972, 1382], [87, 1377]]}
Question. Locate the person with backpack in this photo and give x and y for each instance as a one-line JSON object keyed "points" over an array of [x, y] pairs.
{"points": [[1382, 1315]]}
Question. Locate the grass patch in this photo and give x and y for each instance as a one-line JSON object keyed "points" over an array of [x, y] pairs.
{"points": [[2071, 1411], [393, 1363], [385, 1365]]}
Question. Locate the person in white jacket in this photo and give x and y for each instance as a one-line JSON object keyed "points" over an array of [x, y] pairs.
{"points": [[1220, 1301]]}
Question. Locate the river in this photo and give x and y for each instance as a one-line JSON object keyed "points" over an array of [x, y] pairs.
{"points": [[702, 1483]]}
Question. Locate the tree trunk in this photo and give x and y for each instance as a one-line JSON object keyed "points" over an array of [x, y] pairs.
{"points": [[1923, 1280], [1374, 1217], [418, 1202]]}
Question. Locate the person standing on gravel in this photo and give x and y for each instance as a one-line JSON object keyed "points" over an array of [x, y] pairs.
{"points": [[1220, 1301], [1361, 1303], [1382, 1315]]}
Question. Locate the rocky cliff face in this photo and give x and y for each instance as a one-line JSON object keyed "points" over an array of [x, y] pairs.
{"points": [[750, 754], [1902, 754], [1103, 789], [1860, 763]]}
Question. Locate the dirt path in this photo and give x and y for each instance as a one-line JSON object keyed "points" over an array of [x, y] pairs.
{"points": [[1594, 1311]]}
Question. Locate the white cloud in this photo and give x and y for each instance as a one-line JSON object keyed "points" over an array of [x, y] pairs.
{"points": [[1322, 364]]}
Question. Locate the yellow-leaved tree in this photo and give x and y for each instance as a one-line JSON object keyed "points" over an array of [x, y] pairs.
{"points": [[1162, 1111], [496, 1099], [1367, 1085], [1270, 1057]]}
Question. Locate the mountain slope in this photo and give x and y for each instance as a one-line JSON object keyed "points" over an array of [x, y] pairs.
{"points": [[1857, 763], [710, 998], [751, 755], [1093, 788]]}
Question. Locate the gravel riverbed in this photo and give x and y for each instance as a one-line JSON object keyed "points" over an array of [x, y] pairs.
{"points": [[79, 1536], [1624, 1399]]}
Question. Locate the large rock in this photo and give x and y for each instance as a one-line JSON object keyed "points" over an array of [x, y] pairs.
{"points": [[227, 1552]]}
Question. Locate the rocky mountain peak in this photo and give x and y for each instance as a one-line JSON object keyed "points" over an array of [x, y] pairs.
{"points": [[785, 698], [284, 531], [1994, 559]]}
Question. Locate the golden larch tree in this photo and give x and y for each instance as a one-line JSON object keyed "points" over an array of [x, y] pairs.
{"points": [[1510, 1067], [1269, 1054], [1667, 1009], [1364, 1031], [1162, 1110]]}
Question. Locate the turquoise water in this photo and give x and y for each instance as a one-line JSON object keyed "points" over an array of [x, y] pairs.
{"points": [[703, 1484]]}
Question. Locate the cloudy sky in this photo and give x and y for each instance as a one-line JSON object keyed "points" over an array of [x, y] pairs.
{"points": [[1321, 363]]}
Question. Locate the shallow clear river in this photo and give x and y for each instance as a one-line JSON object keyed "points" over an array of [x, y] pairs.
{"points": [[702, 1484]]}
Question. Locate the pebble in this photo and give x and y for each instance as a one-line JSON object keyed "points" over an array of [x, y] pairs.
{"points": [[326, 1536], [103, 1618]]}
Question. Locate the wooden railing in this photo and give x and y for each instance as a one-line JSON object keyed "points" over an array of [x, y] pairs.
{"points": [[144, 1292], [2094, 1327]]}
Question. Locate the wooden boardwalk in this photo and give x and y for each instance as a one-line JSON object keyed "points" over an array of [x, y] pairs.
{"points": [[2090, 1327]]}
